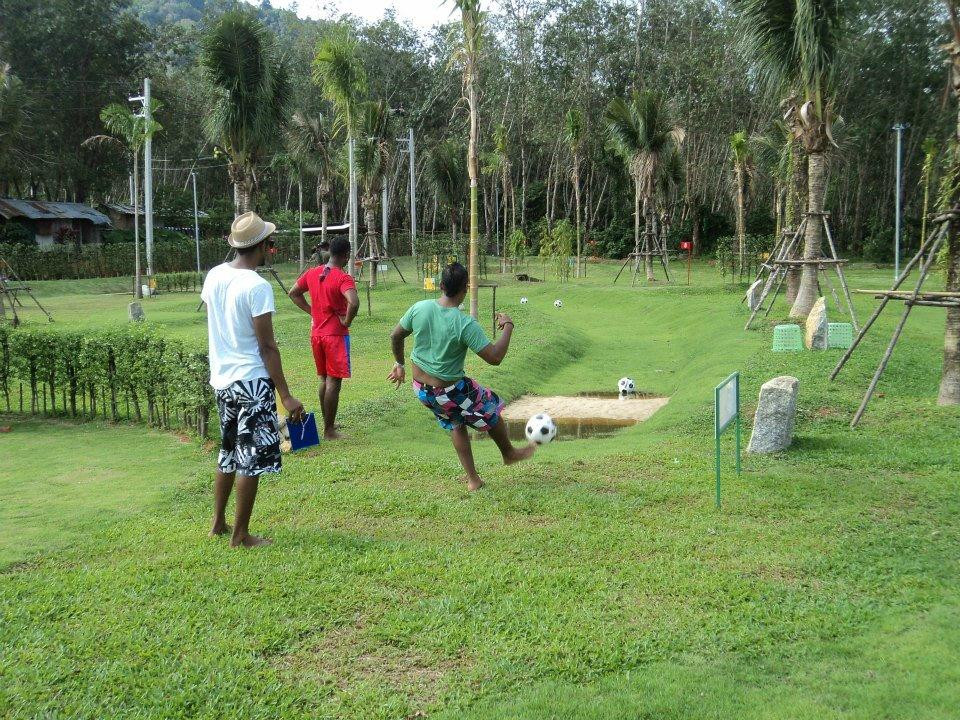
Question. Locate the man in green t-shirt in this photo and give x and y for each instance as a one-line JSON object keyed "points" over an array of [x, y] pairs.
{"points": [[441, 337]]}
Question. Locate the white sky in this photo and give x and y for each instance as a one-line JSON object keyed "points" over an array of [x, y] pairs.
{"points": [[423, 14]]}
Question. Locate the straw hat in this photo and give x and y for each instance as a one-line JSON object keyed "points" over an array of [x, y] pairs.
{"points": [[249, 229]]}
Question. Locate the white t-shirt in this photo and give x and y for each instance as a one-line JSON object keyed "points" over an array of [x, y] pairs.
{"points": [[234, 297]]}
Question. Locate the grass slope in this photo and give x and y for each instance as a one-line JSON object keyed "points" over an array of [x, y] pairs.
{"points": [[596, 581]]}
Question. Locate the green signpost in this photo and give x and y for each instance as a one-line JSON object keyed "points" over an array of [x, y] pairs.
{"points": [[726, 412]]}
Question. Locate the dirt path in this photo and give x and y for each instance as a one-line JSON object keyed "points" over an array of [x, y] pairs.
{"points": [[584, 408]]}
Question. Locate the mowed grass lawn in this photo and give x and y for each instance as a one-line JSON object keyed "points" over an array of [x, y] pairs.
{"points": [[597, 581]]}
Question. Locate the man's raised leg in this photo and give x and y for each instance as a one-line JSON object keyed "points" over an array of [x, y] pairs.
{"points": [[222, 486], [330, 403], [461, 442], [511, 454], [246, 495]]}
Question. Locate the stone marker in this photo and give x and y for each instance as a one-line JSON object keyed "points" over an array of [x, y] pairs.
{"points": [[817, 332], [753, 294], [135, 312], [776, 412]]}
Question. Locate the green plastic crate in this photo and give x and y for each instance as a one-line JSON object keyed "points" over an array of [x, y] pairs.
{"points": [[839, 335], [787, 337]]}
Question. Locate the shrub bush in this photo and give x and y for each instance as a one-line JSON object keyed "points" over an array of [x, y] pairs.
{"points": [[130, 374]]}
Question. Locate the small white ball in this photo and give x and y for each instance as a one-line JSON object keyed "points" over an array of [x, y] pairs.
{"points": [[523, 301], [558, 303], [541, 429], [626, 386]]}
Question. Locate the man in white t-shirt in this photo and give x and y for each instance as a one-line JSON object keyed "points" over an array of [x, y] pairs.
{"points": [[245, 372]]}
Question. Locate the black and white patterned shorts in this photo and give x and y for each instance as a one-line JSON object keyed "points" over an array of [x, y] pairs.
{"points": [[249, 429]]}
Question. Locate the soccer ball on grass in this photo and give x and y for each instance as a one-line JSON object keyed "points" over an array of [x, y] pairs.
{"points": [[558, 303], [523, 301], [626, 386], [540, 429]]}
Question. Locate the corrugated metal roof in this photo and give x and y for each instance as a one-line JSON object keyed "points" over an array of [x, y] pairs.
{"points": [[39, 210], [124, 209]]}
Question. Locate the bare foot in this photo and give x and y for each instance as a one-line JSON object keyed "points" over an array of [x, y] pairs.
{"points": [[520, 454], [250, 541], [472, 484], [220, 529], [333, 435]]}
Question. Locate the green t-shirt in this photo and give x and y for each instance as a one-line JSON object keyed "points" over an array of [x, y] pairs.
{"points": [[441, 337]]}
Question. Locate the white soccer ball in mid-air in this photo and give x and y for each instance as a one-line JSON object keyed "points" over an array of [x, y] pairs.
{"points": [[523, 301], [626, 386], [540, 429], [558, 303]]}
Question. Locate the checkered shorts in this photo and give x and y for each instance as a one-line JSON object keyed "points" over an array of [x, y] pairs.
{"points": [[466, 402], [249, 431]]}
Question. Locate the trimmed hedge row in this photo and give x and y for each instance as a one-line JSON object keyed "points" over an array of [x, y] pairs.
{"points": [[131, 374]]}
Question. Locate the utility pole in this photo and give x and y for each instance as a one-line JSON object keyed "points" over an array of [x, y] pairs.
{"points": [[413, 195], [148, 178], [385, 213], [196, 218], [300, 210], [898, 128]]}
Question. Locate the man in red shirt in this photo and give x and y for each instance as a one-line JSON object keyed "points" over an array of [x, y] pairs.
{"points": [[333, 306]]}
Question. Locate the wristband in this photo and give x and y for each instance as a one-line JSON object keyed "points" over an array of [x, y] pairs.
{"points": [[508, 322], [398, 364]]}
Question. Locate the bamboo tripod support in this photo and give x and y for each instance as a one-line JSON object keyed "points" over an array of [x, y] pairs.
{"points": [[369, 252], [266, 268], [927, 255], [779, 266], [653, 246], [9, 294]]}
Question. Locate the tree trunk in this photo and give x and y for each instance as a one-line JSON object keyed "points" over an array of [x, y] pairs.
{"points": [[576, 202], [950, 379], [741, 229], [369, 219], [472, 170], [647, 245], [636, 224], [812, 237], [796, 199]]}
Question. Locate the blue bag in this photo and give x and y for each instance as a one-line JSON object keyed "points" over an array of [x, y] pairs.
{"points": [[303, 434]]}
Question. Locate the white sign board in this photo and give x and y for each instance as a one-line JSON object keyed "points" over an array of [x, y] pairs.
{"points": [[727, 402]]}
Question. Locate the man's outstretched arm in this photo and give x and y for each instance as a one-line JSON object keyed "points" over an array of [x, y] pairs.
{"points": [[495, 352]]}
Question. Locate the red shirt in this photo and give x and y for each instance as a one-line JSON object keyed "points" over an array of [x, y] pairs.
{"points": [[328, 304]]}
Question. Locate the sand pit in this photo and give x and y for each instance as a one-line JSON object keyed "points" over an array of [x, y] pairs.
{"points": [[587, 408]]}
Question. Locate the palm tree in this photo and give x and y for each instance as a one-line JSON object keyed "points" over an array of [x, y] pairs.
{"points": [[472, 21], [312, 140], [794, 45], [338, 71], [11, 110], [445, 172], [371, 160], [575, 137], [251, 93], [741, 153], [950, 184], [129, 131], [642, 132]]}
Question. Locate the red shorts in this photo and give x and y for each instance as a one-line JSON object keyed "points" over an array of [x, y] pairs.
{"points": [[332, 355]]}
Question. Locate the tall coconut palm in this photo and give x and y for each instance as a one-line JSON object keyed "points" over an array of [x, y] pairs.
{"points": [[312, 140], [251, 89], [12, 103], [446, 174], [950, 196], [339, 72], [575, 138], [371, 161], [129, 131], [642, 133], [794, 46], [741, 154], [472, 24]]}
